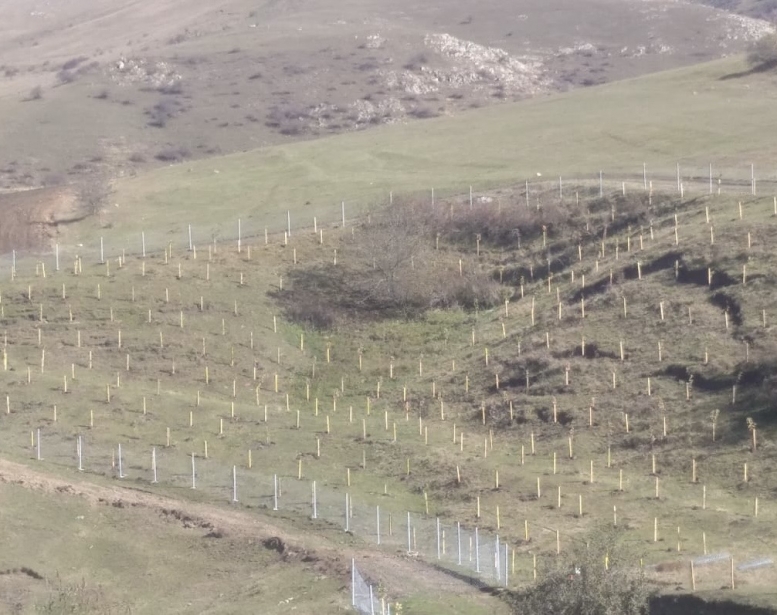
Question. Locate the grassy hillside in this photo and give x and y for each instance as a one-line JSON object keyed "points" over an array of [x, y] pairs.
{"points": [[621, 412], [122, 87], [693, 116], [634, 323]]}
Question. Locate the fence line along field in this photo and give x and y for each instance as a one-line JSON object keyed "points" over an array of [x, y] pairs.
{"points": [[535, 371]]}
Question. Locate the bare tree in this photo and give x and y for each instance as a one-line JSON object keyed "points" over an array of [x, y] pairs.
{"points": [[392, 242], [763, 53], [92, 193]]}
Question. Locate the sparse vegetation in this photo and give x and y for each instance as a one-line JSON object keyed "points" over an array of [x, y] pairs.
{"points": [[597, 577], [161, 113], [422, 112], [173, 154], [93, 192], [36, 93], [763, 53], [498, 313], [416, 61]]}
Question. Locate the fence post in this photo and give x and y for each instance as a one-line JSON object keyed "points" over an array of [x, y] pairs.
{"points": [[408, 533], [507, 565], [275, 492], [353, 582], [347, 516], [56, 256], [143, 243], [458, 540], [288, 222], [342, 207], [438, 537], [497, 559], [477, 551], [37, 445], [121, 467], [234, 483], [80, 452], [239, 235], [102, 252], [377, 522], [194, 479], [153, 464], [372, 602], [315, 505]]}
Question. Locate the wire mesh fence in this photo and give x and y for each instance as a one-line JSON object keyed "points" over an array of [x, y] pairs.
{"points": [[242, 233], [468, 552]]}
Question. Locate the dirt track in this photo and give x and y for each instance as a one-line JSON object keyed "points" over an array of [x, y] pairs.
{"points": [[397, 572], [29, 218]]}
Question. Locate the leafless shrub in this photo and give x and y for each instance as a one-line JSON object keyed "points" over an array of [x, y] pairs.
{"points": [[581, 583], [173, 154], [36, 93], [93, 192], [499, 225], [368, 65], [395, 248], [67, 76], [176, 87], [763, 53], [312, 313], [161, 113], [288, 119], [293, 70], [53, 179], [416, 61], [77, 598], [178, 38], [74, 62], [423, 112]]}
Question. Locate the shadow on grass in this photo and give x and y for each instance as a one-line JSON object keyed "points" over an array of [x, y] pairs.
{"points": [[684, 604], [764, 67]]}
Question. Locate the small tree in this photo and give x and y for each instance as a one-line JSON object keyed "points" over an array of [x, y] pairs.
{"points": [[599, 577], [92, 193], [391, 243], [36, 93], [763, 53]]}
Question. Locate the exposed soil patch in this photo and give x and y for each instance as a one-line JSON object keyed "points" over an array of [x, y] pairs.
{"points": [[29, 218]]}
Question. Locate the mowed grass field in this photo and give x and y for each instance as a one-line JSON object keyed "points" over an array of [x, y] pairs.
{"points": [[694, 116]]}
